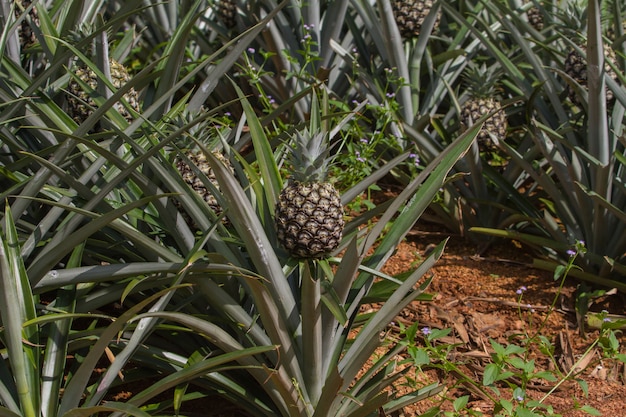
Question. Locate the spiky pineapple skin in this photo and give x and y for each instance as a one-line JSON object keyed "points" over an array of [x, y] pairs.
{"points": [[199, 159], [475, 108], [535, 18], [410, 15], [81, 103], [576, 68], [25, 30], [309, 219], [227, 12]]}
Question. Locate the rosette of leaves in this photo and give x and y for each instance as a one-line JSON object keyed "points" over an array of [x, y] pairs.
{"points": [[576, 160], [410, 89], [82, 208], [309, 308], [269, 333]]}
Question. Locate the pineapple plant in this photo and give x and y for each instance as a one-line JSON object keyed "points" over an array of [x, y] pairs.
{"points": [[410, 16], [81, 103], [309, 214], [480, 82], [576, 68]]}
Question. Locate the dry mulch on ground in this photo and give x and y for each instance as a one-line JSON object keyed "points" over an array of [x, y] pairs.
{"points": [[476, 297]]}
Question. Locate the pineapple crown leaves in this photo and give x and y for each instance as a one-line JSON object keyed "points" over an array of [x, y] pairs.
{"points": [[480, 80], [310, 156]]}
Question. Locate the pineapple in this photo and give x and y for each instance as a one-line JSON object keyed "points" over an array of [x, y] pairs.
{"points": [[576, 68], [199, 160], [535, 17], [80, 101], [309, 214], [410, 15], [227, 12], [25, 30], [480, 83]]}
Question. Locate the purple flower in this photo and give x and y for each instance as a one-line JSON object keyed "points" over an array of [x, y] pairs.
{"points": [[390, 95], [364, 140], [426, 331], [251, 50], [521, 290], [571, 252]]}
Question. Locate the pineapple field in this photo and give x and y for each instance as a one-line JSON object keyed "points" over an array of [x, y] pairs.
{"points": [[312, 208]]}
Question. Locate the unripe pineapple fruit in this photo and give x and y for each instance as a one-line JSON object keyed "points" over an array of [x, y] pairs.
{"points": [[81, 103], [480, 82], [189, 176], [410, 16], [227, 12], [309, 214], [25, 30], [576, 67], [309, 219], [535, 17]]}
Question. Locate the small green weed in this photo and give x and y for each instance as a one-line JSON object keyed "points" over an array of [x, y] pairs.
{"points": [[512, 365]]}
